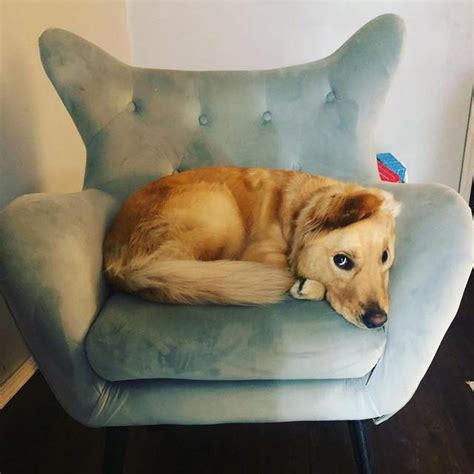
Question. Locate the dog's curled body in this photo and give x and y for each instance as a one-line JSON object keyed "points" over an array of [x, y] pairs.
{"points": [[209, 235], [226, 234]]}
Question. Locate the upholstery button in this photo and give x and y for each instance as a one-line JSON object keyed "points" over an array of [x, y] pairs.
{"points": [[203, 120], [267, 116], [331, 96], [132, 107]]}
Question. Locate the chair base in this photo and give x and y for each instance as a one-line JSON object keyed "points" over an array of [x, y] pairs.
{"points": [[360, 446], [115, 449], [116, 446]]}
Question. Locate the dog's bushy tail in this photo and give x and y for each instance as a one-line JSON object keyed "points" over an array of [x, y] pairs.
{"points": [[194, 282]]}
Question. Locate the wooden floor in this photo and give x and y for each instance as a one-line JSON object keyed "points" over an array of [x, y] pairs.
{"points": [[433, 434]]}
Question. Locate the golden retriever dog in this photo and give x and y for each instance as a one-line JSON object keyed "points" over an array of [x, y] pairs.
{"points": [[232, 235]]}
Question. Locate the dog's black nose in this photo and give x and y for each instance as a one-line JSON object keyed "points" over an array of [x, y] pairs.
{"points": [[374, 317]]}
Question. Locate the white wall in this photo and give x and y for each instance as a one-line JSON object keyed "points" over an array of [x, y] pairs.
{"points": [[424, 122], [40, 148]]}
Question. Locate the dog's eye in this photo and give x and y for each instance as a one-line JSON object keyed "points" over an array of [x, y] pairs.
{"points": [[343, 261], [384, 256]]}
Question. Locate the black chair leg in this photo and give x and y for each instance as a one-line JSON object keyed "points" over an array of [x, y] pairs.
{"points": [[115, 448], [360, 447]]}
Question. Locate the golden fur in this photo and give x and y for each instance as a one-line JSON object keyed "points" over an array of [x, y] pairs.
{"points": [[233, 235]]}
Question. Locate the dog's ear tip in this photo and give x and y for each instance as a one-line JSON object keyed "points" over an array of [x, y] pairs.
{"points": [[395, 208], [390, 205]]}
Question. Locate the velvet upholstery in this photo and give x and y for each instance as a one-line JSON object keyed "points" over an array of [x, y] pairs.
{"points": [[134, 339], [140, 124]]}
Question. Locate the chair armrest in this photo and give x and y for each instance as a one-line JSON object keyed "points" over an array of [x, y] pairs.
{"points": [[432, 265], [51, 277]]}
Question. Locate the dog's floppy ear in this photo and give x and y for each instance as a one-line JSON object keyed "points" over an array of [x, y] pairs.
{"points": [[332, 207]]}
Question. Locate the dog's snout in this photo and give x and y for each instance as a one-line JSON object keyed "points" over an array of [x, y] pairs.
{"points": [[374, 316]]}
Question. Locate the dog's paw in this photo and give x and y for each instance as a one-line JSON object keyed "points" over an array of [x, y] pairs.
{"points": [[305, 289]]}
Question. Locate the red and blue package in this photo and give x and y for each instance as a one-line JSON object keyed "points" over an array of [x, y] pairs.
{"points": [[391, 169]]}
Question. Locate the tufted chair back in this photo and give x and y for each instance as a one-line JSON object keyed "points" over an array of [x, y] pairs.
{"points": [[140, 124]]}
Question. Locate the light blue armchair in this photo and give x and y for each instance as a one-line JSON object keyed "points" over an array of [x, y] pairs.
{"points": [[115, 360]]}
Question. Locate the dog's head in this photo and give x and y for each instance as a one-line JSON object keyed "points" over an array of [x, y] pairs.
{"points": [[344, 238]]}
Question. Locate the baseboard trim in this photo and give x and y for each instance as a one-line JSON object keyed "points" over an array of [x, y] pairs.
{"points": [[12, 385]]}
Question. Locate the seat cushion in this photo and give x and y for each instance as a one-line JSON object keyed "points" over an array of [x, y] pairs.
{"points": [[136, 339]]}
